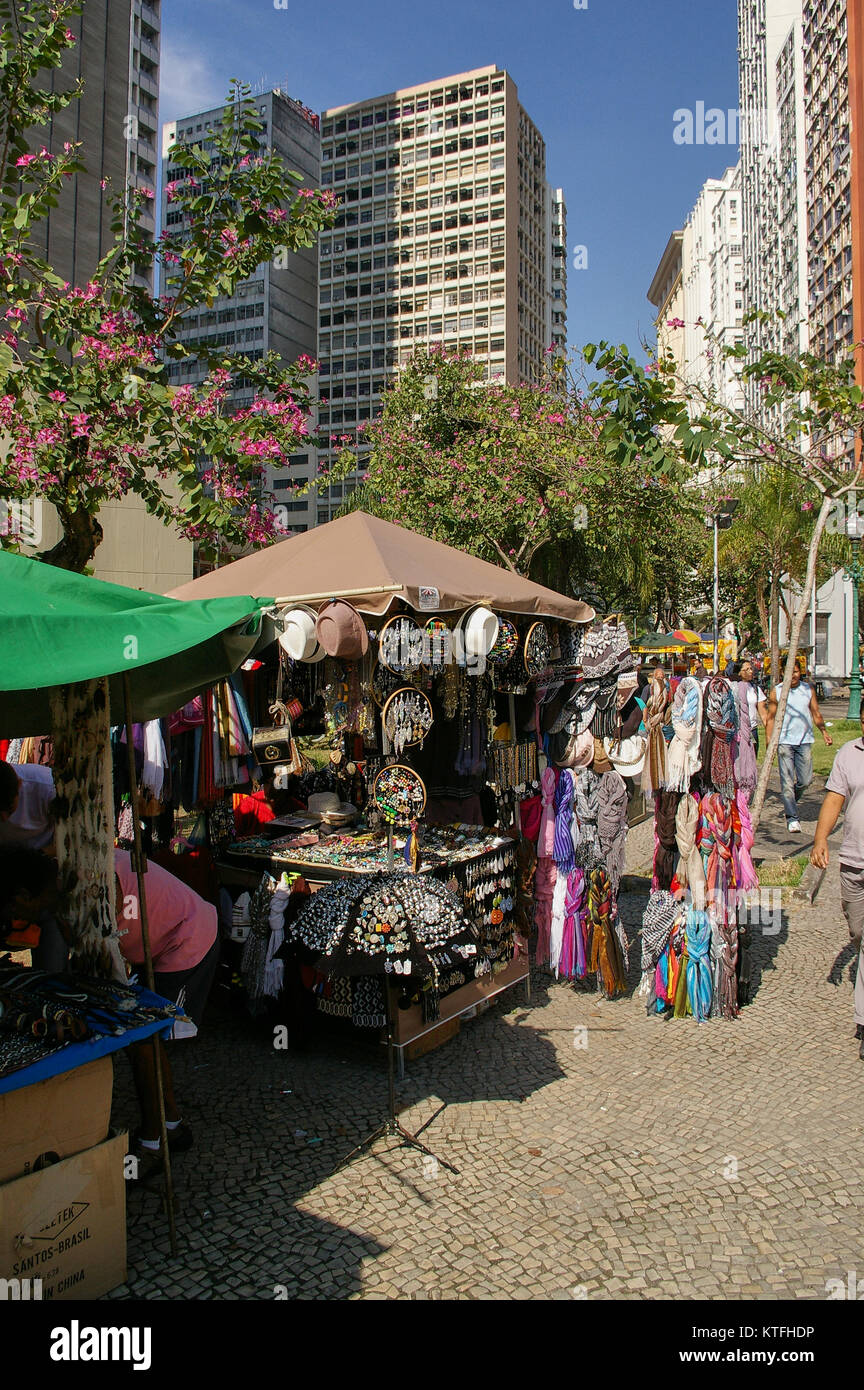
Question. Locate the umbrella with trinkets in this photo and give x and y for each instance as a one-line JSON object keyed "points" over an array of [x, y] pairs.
{"points": [[399, 926]]}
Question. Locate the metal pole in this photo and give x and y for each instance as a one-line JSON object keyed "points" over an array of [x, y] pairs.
{"points": [[716, 601], [139, 865]]}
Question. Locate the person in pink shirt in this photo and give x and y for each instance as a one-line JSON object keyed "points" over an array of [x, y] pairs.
{"points": [[184, 943]]}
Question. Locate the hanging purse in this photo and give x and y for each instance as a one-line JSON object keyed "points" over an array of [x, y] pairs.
{"points": [[273, 746]]}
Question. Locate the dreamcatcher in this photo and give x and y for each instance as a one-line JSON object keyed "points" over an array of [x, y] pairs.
{"points": [[506, 644], [400, 644], [538, 649], [407, 718]]}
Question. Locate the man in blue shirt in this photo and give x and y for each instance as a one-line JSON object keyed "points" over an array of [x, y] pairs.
{"points": [[795, 753]]}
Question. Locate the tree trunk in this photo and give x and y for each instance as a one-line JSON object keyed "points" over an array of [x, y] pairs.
{"points": [[762, 609], [801, 612], [775, 629], [80, 729], [78, 543]]}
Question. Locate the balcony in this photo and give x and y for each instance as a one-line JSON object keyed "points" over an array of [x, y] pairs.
{"points": [[147, 49], [148, 84]]}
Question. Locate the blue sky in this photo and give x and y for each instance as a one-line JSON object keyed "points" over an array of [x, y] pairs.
{"points": [[601, 82]]}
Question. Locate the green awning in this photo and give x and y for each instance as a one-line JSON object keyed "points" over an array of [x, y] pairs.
{"points": [[57, 627]]}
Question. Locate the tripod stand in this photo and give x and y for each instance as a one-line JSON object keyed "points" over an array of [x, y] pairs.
{"points": [[391, 1127]]}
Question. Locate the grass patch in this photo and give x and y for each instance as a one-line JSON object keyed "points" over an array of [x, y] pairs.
{"points": [[841, 731], [781, 873]]}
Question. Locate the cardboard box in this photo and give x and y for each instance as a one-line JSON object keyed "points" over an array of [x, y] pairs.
{"points": [[66, 1226], [54, 1119]]}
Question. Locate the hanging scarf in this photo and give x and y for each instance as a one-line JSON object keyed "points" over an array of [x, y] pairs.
{"points": [[571, 923], [716, 848], [722, 715], [665, 808], [546, 838], [612, 824], [562, 851], [654, 770], [699, 982], [657, 921], [746, 771], [586, 805], [155, 759], [579, 897], [556, 928], [605, 955], [745, 874], [682, 759], [544, 887], [691, 873]]}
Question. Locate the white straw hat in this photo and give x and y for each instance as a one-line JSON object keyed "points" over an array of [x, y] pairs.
{"points": [[297, 637]]}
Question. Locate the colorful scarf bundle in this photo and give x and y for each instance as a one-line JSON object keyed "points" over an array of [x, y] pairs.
{"points": [[691, 873], [682, 758], [745, 874], [605, 951], [665, 843], [746, 771], [612, 824], [716, 846], [668, 974], [721, 713], [658, 920], [699, 982], [579, 896], [654, 770], [726, 951], [546, 838], [562, 849]]}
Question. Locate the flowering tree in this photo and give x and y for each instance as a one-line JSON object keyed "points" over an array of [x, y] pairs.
{"points": [[515, 474], [809, 427], [86, 403], [88, 412]]}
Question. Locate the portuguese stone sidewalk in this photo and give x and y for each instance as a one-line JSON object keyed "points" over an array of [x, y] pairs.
{"points": [[600, 1153]]}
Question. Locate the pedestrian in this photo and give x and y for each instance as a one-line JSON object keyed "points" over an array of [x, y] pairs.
{"points": [[795, 753], [844, 791], [184, 944], [743, 672], [26, 822]]}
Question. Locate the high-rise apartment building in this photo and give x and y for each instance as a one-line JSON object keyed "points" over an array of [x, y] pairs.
{"points": [[773, 186], [446, 234], [116, 56], [276, 309], [829, 182], [696, 291], [142, 116], [712, 288]]}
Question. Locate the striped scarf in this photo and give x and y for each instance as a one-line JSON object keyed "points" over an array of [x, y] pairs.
{"points": [[654, 770], [562, 850], [658, 920]]}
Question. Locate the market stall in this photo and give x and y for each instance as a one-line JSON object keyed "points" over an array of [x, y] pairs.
{"points": [[446, 686], [57, 631]]}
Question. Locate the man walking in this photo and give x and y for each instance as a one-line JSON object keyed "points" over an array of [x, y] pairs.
{"points": [[845, 792], [795, 753]]}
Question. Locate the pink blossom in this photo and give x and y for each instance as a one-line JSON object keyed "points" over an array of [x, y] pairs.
{"points": [[80, 425], [675, 323], [24, 160]]}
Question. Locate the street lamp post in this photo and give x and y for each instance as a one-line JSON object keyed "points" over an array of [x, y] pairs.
{"points": [[855, 573], [721, 519]]}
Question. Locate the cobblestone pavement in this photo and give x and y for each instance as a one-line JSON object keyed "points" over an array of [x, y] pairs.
{"points": [[659, 1160]]}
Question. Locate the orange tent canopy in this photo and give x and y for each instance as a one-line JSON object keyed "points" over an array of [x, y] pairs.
{"points": [[375, 564]]}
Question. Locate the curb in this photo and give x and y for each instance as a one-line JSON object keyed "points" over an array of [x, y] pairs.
{"points": [[811, 882]]}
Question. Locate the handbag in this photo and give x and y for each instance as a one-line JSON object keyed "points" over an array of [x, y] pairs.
{"points": [[273, 745]]}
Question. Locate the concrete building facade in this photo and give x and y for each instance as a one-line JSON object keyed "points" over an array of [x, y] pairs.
{"points": [[276, 309], [448, 232]]}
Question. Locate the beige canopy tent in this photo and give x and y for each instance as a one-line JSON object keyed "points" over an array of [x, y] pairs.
{"points": [[375, 564]]}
